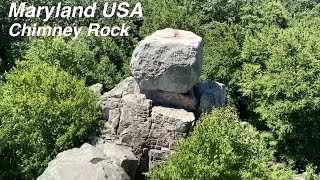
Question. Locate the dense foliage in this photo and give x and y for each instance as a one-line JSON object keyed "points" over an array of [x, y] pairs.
{"points": [[221, 147], [284, 85], [96, 60], [43, 111]]}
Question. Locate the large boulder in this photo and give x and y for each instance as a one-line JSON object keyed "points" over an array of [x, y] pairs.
{"points": [[168, 60], [84, 163]]}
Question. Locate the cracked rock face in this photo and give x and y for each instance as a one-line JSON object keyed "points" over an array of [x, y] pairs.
{"points": [[134, 122], [168, 124], [168, 60], [154, 120], [121, 156]]}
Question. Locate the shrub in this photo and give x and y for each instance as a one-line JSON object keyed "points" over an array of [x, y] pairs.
{"points": [[282, 79], [221, 147], [43, 111]]}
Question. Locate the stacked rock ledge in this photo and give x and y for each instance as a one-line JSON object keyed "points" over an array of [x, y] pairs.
{"points": [[147, 113]]}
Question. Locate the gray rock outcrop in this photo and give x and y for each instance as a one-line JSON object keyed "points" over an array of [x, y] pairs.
{"points": [[151, 110], [134, 120], [168, 60], [134, 123], [146, 114], [89, 162]]}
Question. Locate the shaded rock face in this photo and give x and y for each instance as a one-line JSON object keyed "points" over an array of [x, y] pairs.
{"points": [[134, 122], [89, 162], [121, 156], [211, 95], [186, 101], [157, 156], [168, 60], [150, 122]]}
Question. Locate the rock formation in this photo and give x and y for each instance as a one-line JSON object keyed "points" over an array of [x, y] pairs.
{"points": [[145, 114]]}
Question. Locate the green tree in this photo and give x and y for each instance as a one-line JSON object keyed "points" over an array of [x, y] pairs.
{"points": [[160, 14], [281, 76], [216, 10], [12, 48], [221, 147], [43, 111], [297, 8], [222, 62], [97, 60], [258, 14]]}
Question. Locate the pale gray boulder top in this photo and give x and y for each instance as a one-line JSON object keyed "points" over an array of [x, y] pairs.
{"points": [[170, 35], [96, 88], [178, 114], [91, 163], [168, 60]]}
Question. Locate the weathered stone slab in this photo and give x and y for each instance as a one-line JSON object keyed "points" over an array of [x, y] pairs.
{"points": [[96, 88], [125, 87], [168, 125]]}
